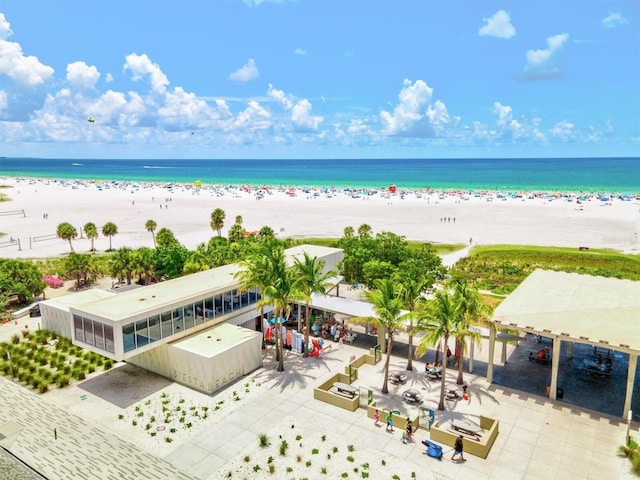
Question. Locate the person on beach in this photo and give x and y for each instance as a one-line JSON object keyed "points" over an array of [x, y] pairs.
{"points": [[457, 449], [376, 417]]}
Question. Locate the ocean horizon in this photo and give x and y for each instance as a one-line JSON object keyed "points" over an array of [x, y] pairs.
{"points": [[619, 175]]}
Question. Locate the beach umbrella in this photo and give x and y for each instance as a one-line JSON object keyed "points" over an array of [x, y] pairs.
{"points": [[197, 183]]}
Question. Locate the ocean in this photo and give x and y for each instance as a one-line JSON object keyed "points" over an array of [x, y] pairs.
{"points": [[620, 175]]}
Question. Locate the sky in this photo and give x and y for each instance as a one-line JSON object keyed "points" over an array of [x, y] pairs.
{"points": [[319, 78]]}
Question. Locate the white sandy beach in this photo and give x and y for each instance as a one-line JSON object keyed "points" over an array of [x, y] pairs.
{"points": [[534, 219]]}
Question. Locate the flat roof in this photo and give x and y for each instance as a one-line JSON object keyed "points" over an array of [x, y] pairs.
{"points": [[66, 302], [213, 341], [346, 306], [585, 308], [158, 296]]}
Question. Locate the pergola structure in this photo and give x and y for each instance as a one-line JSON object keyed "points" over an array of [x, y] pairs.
{"points": [[598, 311]]}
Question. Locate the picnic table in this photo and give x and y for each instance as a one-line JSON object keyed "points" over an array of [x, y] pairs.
{"points": [[596, 369], [466, 426], [397, 376], [433, 373], [412, 396], [345, 389]]}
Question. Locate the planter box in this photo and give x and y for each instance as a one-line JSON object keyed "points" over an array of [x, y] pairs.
{"points": [[479, 448]]}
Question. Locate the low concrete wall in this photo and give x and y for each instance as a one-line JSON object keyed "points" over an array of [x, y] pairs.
{"points": [[322, 392], [479, 448], [399, 421]]}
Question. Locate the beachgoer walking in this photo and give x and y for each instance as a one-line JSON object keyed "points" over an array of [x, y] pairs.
{"points": [[404, 438], [457, 449], [409, 428], [389, 423], [376, 417]]}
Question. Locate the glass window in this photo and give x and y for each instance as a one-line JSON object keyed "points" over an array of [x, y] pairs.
{"points": [[78, 329], [88, 331], [199, 307], [219, 304], [188, 316], [128, 340], [108, 339], [142, 333], [98, 331], [244, 301], [154, 328], [178, 320], [209, 311], [165, 320]]}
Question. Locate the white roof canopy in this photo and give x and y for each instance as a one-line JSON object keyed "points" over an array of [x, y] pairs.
{"points": [[582, 308]]}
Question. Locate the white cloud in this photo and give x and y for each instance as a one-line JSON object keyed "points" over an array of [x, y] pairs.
{"points": [[563, 130], [499, 25], [5, 28], [24, 70], [182, 110], [3, 100], [141, 67], [254, 117], [245, 73], [300, 51], [82, 76], [539, 62], [409, 117], [302, 119], [108, 78], [280, 97], [613, 20]]}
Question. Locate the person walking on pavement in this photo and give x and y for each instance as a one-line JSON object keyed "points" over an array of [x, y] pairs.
{"points": [[457, 449]]}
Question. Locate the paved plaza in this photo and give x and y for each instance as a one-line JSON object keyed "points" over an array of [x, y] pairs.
{"points": [[538, 439]]}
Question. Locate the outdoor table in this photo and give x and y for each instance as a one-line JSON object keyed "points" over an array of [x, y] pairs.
{"points": [[397, 376], [466, 426], [345, 388], [412, 396]]}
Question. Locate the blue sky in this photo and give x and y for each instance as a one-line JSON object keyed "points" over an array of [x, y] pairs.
{"points": [[319, 78]]}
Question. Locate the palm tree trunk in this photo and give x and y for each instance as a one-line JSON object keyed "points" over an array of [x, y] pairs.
{"points": [[264, 345], [460, 351], [306, 331], [444, 374], [385, 385], [70, 246], [280, 350], [410, 354]]}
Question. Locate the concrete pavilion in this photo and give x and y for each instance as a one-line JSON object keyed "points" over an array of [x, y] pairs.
{"points": [[569, 307]]}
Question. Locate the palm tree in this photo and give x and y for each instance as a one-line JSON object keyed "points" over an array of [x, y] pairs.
{"points": [[237, 233], [238, 219], [91, 231], [68, 232], [279, 292], [109, 229], [311, 279], [266, 233], [364, 230], [253, 273], [151, 226], [80, 266], [411, 289], [217, 220], [438, 318], [387, 303], [144, 264], [348, 232], [122, 264], [471, 310]]}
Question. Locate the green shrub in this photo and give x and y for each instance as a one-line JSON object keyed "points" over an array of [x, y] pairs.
{"points": [[264, 440]]}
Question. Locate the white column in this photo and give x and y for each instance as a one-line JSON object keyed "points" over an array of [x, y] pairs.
{"points": [[631, 375], [555, 364], [503, 354], [381, 340], [492, 347], [569, 350], [471, 348]]}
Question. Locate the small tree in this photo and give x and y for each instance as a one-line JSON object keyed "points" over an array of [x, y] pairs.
{"points": [[109, 230], [217, 220], [68, 232], [91, 231], [151, 226]]}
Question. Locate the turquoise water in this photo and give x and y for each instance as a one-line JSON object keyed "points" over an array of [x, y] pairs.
{"points": [[576, 174]]}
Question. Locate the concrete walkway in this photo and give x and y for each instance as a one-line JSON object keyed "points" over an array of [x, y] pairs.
{"points": [[538, 438]]}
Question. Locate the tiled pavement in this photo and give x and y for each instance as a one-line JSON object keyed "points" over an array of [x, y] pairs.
{"points": [[539, 439]]}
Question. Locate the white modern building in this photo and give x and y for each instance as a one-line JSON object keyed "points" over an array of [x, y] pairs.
{"points": [[168, 327]]}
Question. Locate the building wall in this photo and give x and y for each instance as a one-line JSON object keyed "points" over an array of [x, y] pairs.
{"points": [[209, 374], [155, 360], [56, 320]]}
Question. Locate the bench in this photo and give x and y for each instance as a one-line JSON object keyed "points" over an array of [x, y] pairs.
{"points": [[345, 389]]}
